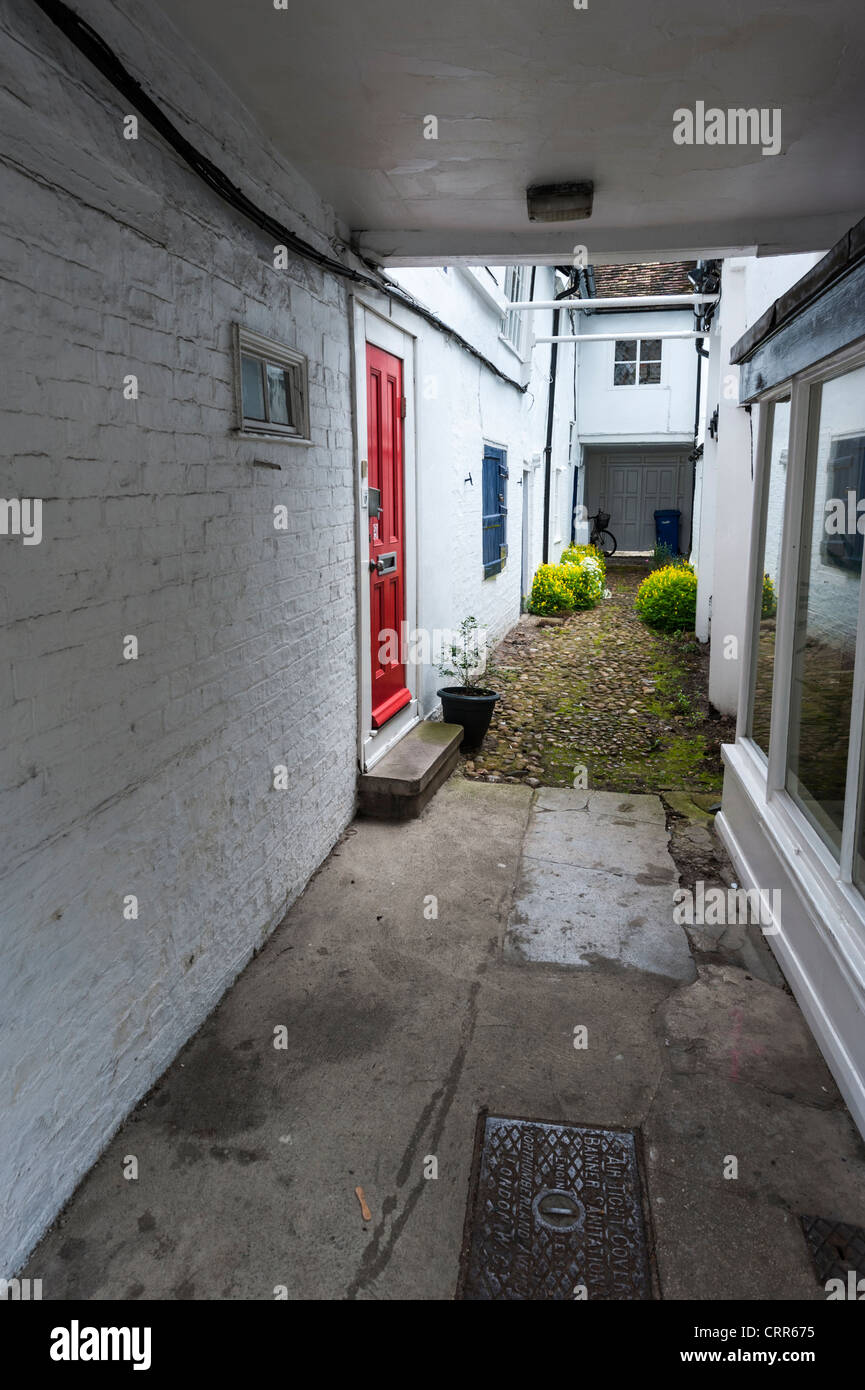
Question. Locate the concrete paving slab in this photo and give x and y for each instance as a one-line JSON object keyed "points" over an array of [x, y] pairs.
{"points": [[560, 799], [758, 1037], [613, 844], [578, 916], [639, 806], [738, 1250], [791, 1158]]}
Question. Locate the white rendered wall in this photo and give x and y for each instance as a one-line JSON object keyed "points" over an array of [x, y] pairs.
{"points": [[749, 285], [151, 777], [461, 405], [637, 414]]}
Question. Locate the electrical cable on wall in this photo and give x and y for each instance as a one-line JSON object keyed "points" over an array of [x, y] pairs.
{"points": [[97, 51]]}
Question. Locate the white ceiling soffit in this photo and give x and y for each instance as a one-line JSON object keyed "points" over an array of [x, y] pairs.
{"points": [[536, 91]]}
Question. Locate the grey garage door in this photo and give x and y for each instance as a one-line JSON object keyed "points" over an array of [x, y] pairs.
{"points": [[631, 485]]}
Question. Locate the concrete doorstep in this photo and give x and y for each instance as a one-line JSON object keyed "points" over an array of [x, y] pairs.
{"points": [[504, 950], [401, 783]]}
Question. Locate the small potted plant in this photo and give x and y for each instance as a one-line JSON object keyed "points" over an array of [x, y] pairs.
{"points": [[467, 703]]}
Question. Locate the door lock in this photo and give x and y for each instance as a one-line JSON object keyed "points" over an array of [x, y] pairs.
{"points": [[385, 564]]}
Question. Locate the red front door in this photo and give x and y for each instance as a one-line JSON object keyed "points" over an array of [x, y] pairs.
{"points": [[386, 533]]}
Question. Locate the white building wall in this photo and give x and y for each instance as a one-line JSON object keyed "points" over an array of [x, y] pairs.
{"points": [[731, 457], [461, 405], [151, 777], [636, 414], [723, 530]]}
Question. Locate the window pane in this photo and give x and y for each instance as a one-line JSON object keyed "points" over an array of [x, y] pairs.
{"points": [[650, 349], [624, 374], [278, 396], [776, 464], [650, 373], [626, 351], [253, 391], [827, 609]]}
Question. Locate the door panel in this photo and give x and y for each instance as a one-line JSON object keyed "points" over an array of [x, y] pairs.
{"points": [[632, 486], [621, 496], [386, 533]]}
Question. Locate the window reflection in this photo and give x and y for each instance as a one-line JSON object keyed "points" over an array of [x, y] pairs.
{"points": [[827, 603]]}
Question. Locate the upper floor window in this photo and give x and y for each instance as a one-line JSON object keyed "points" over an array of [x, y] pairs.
{"points": [[274, 391], [514, 321], [637, 362]]}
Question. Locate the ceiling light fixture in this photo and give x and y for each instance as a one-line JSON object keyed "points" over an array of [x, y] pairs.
{"points": [[559, 202]]}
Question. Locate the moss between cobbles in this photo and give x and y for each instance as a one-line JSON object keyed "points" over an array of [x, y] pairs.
{"points": [[605, 692]]}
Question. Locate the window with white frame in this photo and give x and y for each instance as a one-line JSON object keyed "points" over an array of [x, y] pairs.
{"points": [[777, 435], [273, 387], [514, 321], [637, 362], [807, 688], [827, 610]]}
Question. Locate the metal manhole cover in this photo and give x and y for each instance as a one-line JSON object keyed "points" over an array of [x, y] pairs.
{"points": [[836, 1248], [555, 1212]]}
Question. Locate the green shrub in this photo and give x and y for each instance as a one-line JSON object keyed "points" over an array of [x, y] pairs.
{"points": [[769, 606], [550, 592], [578, 582], [667, 598], [575, 554], [584, 579]]}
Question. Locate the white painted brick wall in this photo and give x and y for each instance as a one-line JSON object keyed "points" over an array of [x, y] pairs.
{"points": [[460, 406], [153, 776]]}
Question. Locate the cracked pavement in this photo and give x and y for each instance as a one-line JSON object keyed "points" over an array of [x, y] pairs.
{"points": [[395, 1026]]}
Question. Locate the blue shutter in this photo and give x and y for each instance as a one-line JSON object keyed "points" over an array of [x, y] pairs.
{"points": [[495, 509]]}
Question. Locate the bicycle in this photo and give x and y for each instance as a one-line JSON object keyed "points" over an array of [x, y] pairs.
{"points": [[600, 537]]}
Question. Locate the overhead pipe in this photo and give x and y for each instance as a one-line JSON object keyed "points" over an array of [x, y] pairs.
{"points": [[629, 301], [619, 337], [701, 353]]}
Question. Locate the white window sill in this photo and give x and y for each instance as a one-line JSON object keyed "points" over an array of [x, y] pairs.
{"points": [[272, 438]]}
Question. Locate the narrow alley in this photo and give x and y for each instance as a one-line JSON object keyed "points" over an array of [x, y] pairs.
{"points": [[399, 1027], [606, 693], [432, 677]]}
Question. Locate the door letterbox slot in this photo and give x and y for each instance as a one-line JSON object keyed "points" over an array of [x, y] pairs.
{"points": [[386, 563]]}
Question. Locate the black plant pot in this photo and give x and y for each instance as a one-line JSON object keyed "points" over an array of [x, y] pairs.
{"points": [[473, 708]]}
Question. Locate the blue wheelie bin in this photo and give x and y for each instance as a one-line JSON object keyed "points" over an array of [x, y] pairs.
{"points": [[667, 529]]}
